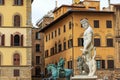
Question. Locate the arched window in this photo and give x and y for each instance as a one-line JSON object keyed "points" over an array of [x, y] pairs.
{"points": [[17, 21], [18, 2], [16, 40], [16, 59]]}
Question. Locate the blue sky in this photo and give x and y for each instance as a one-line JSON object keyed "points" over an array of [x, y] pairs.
{"points": [[41, 7]]}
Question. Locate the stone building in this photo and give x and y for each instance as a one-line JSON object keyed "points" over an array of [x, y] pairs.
{"points": [[15, 39], [38, 58], [37, 53], [116, 9], [64, 37]]}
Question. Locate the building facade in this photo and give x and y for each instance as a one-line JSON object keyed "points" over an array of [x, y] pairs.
{"points": [[64, 37], [37, 53], [38, 59], [15, 39]]}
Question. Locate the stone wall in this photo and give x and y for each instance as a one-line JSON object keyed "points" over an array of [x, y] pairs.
{"points": [[6, 73]]}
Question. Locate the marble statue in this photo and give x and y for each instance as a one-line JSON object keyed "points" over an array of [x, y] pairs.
{"points": [[88, 47]]}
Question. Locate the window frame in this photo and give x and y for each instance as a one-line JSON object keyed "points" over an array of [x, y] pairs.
{"points": [[97, 42], [96, 24], [2, 2], [18, 2], [108, 24]]}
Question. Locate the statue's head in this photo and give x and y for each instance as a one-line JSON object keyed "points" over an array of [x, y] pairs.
{"points": [[84, 23]]}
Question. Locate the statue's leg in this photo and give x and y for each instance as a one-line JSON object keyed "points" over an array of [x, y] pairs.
{"points": [[88, 61]]}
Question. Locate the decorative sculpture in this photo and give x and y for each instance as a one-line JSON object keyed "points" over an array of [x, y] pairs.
{"points": [[59, 71], [88, 47]]}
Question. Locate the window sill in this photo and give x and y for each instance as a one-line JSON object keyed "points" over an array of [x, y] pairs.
{"points": [[17, 5]]}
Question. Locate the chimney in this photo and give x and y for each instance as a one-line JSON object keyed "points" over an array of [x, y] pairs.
{"points": [[56, 4], [109, 4]]}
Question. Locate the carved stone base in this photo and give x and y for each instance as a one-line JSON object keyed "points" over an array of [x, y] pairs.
{"points": [[83, 77]]}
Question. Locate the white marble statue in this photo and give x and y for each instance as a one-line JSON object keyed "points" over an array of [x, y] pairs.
{"points": [[88, 47]]}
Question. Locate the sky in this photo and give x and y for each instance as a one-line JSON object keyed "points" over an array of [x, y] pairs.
{"points": [[42, 7]]}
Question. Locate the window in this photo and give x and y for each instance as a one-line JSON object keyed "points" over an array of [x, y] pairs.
{"points": [[37, 35], [2, 40], [96, 23], [52, 51], [100, 64], [70, 25], [0, 20], [58, 31], [64, 45], [110, 64], [55, 48], [1, 2], [109, 42], [37, 71], [70, 43], [59, 47], [16, 59], [18, 2], [80, 41], [49, 36], [37, 47], [55, 33], [16, 72], [52, 35], [96, 42], [64, 28], [16, 40], [109, 24], [37, 59], [46, 53], [46, 38], [17, 21], [69, 64]]}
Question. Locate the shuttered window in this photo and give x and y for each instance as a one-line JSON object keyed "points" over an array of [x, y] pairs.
{"points": [[3, 40], [100, 64], [110, 64], [69, 64], [109, 42], [109, 24], [16, 21], [80, 41], [97, 42], [1, 2], [16, 73], [96, 23], [16, 59], [18, 2]]}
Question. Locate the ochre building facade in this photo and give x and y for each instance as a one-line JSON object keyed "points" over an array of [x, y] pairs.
{"points": [[64, 37], [15, 39]]}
